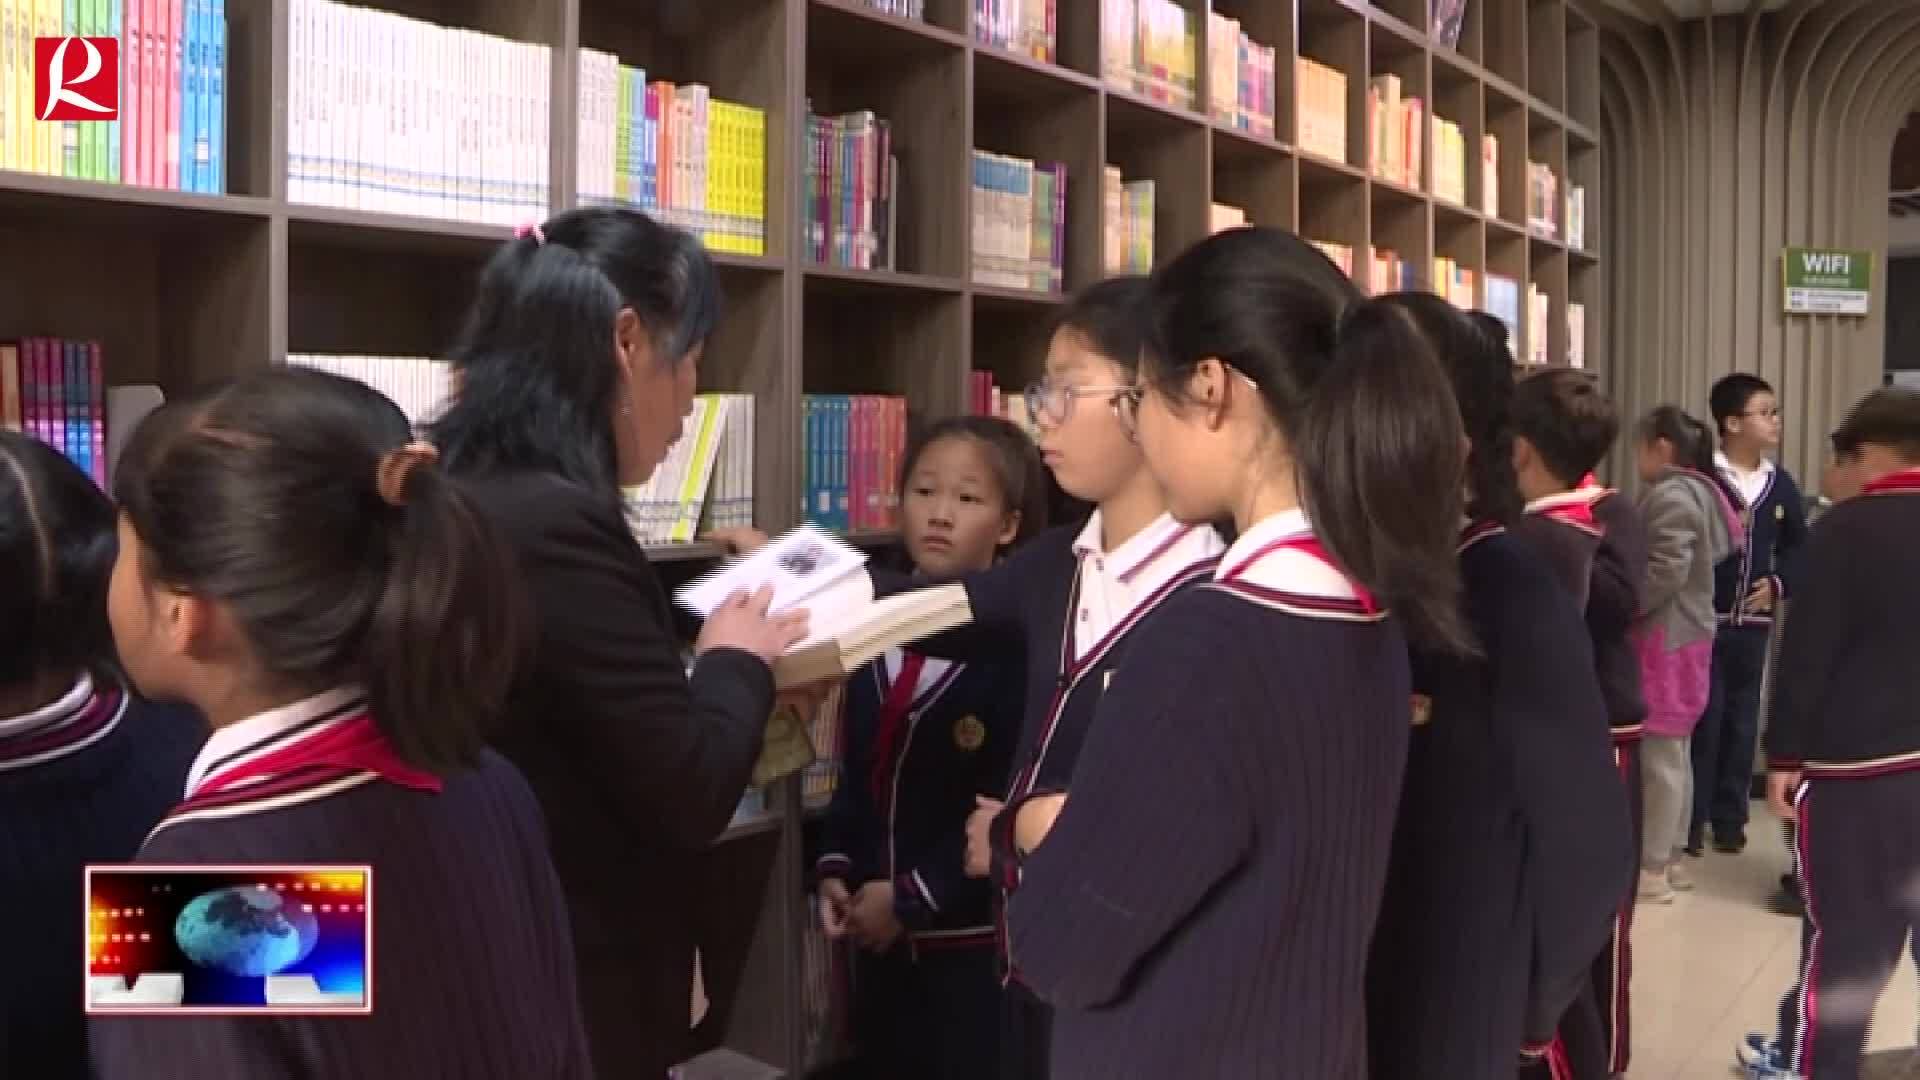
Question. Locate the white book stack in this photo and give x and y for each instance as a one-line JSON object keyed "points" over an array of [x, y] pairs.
{"points": [[1576, 335], [418, 384], [706, 482], [396, 115]]}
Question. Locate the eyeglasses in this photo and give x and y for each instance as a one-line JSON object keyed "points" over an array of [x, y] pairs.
{"points": [[1126, 403], [1053, 403]]}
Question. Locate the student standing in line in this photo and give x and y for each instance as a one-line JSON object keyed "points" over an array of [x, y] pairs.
{"points": [[1746, 593], [86, 768], [295, 568], [1694, 526], [1843, 744], [576, 370], [924, 739], [1201, 902], [1564, 427], [1067, 603], [1512, 828]]}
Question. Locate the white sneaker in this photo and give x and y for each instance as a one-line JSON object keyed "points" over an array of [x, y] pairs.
{"points": [[1678, 877], [1654, 888]]}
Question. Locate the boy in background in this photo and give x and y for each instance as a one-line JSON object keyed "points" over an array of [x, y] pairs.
{"points": [[1597, 544], [1747, 591], [1843, 745]]}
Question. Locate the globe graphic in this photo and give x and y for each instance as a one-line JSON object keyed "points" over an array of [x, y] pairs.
{"points": [[245, 930]]}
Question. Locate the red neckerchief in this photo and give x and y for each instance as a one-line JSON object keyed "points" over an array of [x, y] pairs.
{"points": [[1308, 544], [355, 744], [893, 717], [1904, 482], [1576, 511]]}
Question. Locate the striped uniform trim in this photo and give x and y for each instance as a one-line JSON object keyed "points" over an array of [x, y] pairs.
{"points": [[1620, 954], [1627, 734], [1478, 531], [1344, 609], [1806, 993], [80, 719], [1904, 482], [233, 759], [1860, 770], [259, 801]]}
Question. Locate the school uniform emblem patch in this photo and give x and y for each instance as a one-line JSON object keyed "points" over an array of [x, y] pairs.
{"points": [[1422, 710], [969, 734]]}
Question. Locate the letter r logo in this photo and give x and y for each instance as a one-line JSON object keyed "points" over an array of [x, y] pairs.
{"points": [[76, 78]]}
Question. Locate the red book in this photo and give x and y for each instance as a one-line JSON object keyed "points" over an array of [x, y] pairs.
{"points": [[860, 476], [170, 129]]}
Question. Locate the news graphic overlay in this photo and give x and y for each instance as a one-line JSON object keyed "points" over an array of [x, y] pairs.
{"points": [[181, 940], [76, 78]]}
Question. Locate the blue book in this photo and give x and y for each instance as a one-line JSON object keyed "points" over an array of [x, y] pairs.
{"points": [[189, 90], [217, 101]]}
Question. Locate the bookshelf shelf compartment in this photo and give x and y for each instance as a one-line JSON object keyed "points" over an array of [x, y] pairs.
{"points": [[1504, 25], [877, 284], [921, 95], [46, 199], [339, 295], [912, 346], [173, 309], [1147, 142], [1257, 180], [1010, 342], [1026, 115], [1017, 77]]}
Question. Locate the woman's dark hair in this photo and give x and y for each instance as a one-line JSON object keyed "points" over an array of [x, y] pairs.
{"points": [[1481, 371], [1352, 385], [260, 493], [1016, 464], [1113, 317], [535, 360], [1692, 443], [57, 545]]}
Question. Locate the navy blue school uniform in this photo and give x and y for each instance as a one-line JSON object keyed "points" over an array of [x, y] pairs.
{"points": [[1203, 904], [1844, 718], [1069, 612], [81, 781], [1774, 514], [1512, 839], [473, 969], [924, 738]]}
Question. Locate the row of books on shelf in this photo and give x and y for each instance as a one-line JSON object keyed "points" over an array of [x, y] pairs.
{"points": [[1241, 77], [1397, 125], [172, 72], [852, 191], [677, 152], [398, 115], [1456, 284], [1546, 204], [851, 454], [1024, 26], [706, 481], [52, 390], [1019, 222], [417, 384], [1320, 108], [1450, 161], [1127, 227], [1148, 47]]}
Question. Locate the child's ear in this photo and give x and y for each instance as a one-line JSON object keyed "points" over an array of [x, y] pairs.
{"points": [[1522, 453], [1009, 529]]}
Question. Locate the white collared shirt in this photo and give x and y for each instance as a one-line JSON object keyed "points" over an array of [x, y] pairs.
{"points": [[1750, 485], [1114, 583], [931, 671], [262, 733], [1588, 495]]}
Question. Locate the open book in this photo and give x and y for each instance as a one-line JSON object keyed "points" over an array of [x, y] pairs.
{"points": [[813, 569]]}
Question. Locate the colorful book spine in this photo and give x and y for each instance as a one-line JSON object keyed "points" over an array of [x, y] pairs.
{"points": [[54, 390]]}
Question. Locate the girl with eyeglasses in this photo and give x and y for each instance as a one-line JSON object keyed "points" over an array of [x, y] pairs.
{"points": [[1068, 602], [1201, 902]]}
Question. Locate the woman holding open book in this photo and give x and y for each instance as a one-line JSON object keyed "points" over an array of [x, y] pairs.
{"points": [[576, 366]]}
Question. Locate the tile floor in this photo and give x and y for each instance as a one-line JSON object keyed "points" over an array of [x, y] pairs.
{"points": [[1711, 967]]}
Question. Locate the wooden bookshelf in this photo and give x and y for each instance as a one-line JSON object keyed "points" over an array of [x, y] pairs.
{"points": [[182, 287]]}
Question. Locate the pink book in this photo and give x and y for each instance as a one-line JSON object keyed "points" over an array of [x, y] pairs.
{"points": [[857, 464], [170, 130], [130, 94], [97, 413]]}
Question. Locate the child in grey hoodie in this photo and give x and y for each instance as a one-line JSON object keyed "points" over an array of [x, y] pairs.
{"points": [[1692, 521]]}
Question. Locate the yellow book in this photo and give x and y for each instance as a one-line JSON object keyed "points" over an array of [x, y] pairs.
{"points": [[51, 137], [757, 182]]}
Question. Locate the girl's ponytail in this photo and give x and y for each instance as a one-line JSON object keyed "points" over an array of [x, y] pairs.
{"points": [[1381, 458], [447, 628]]}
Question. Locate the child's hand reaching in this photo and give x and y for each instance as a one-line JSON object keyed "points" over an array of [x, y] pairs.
{"points": [[834, 902], [979, 835], [870, 918]]}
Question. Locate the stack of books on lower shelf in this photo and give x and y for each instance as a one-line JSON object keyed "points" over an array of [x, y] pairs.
{"points": [[1455, 283], [988, 398], [1320, 93], [1539, 317], [52, 390], [1503, 302], [1240, 77], [1026, 27], [851, 194], [1390, 272], [1341, 254], [1128, 244], [1150, 48], [706, 482]]}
